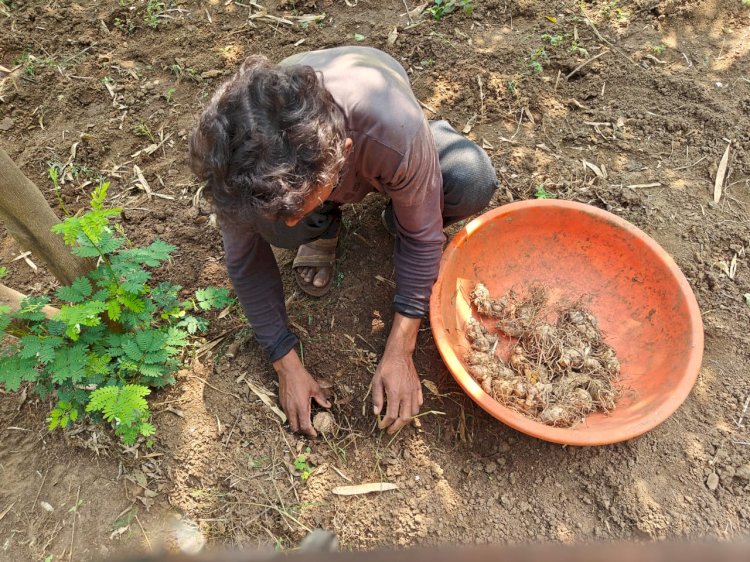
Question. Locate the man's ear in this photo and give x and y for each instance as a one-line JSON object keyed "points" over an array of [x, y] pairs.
{"points": [[348, 143]]}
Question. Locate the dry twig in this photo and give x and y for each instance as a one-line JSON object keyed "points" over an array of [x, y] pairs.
{"points": [[580, 66]]}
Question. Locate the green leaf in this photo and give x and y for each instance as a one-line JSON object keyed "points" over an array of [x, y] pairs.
{"points": [[122, 404], [98, 195], [134, 280], [40, 347], [77, 292], [113, 310], [114, 344], [14, 370], [152, 255], [176, 338], [31, 309], [5, 317], [69, 364], [146, 349], [54, 419], [86, 250], [128, 433], [152, 371], [542, 193], [30, 346], [61, 415], [193, 324], [359, 37], [131, 302], [146, 429], [98, 364], [77, 315], [213, 297], [107, 244], [164, 295]]}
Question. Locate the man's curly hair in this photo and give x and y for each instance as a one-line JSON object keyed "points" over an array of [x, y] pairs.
{"points": [[269, 136]]}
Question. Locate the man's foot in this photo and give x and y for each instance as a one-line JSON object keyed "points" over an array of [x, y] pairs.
{"points": [[313, 266]]}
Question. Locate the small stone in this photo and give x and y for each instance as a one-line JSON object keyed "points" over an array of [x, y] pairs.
{"points": [[6, 124], [712, 482], [506, 501], [490, 467], [743, 472], [211, 73], [324, 422], [160, 228]]}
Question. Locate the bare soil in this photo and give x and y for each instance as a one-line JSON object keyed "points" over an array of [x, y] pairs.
{"points": [[99, 91]]}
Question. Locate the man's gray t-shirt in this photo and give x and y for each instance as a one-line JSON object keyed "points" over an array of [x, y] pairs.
{"points": [[393, 152]]}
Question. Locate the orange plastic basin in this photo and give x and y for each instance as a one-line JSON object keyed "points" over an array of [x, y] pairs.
{"points": [[645, 306]]}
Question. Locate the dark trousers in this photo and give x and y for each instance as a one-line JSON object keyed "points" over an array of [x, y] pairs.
{"points": [[469, 181]]}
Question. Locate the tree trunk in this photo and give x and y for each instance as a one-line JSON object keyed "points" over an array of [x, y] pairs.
{"points": [[29, 219], [13, 298]]}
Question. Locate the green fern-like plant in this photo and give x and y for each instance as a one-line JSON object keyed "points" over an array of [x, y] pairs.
{"points": [[116, 334]]}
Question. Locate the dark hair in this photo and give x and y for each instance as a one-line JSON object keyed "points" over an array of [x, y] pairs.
{"points": [[267, 138]]}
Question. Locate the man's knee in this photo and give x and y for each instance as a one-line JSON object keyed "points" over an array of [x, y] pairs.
{"points": [[470, 184]]}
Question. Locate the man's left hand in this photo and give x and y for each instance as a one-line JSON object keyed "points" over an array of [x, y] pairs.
{"points": [[396, 381]]}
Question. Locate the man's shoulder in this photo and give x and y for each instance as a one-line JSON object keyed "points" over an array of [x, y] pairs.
{"points": [[344, 57]]}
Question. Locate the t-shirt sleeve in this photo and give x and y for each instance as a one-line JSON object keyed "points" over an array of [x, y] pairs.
{"points": [[256, 279], [416, 190]]}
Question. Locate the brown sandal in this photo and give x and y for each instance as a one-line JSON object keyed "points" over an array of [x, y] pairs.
{"points": [[322, 254]]}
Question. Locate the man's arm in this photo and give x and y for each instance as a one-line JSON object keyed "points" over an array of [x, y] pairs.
{"points": [[417, 194], [396, 377], [257, 282], [256, 279]]}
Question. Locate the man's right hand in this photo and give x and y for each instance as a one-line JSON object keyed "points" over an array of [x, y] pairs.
{"points": [[296, 388]]}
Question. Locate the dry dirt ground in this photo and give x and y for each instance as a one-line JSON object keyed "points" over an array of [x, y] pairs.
{"points": [[92, 88]]}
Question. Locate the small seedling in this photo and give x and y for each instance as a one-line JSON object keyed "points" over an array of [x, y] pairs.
{"points": [[442, 8], [359, 37], [660, 48], [536, 58], [154, 12], [142, 130], [191, 73], [302, 466], [31, 63], [169, 94], [126, 25], [612, 10], [53, 172], [542, 193], [553, 40]]}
